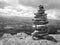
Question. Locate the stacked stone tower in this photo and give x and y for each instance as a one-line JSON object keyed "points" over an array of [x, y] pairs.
{"points": [[41, 26], [40, 20]]}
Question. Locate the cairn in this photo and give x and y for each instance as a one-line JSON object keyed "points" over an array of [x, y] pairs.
{"points": [[40, 20], [41, 26]]}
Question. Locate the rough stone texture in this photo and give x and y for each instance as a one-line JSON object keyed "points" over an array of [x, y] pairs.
{"points": [[16, 40]]}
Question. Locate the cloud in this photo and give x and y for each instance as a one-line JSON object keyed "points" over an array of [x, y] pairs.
{"points": [[15, 9], [12, 2], [27, 8], [53, 14], [57, 14], [48, 3], [3, 4], [19, 10]]}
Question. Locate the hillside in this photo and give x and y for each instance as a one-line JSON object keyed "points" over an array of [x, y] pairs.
{"points": [[54, 22], [24, 39], [16, 20]]}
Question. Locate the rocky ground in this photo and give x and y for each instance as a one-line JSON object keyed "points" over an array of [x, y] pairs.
{"points": [[24, 39]]}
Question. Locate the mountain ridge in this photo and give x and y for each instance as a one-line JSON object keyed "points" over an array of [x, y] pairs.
{"points": [[26, 20]]}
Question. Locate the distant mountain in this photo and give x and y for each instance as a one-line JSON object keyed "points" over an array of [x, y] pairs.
{"points": [[21, 20], [54, 22], [15, 20]]}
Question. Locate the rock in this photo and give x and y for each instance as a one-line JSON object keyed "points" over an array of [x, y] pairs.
{"points": [[28, 41]]}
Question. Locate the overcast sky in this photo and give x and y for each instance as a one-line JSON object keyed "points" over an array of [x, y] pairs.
{"points": [[50, 4], [29, 7]]}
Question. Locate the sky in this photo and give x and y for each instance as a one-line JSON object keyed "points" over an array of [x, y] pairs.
{"points": [[27, 8]]}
